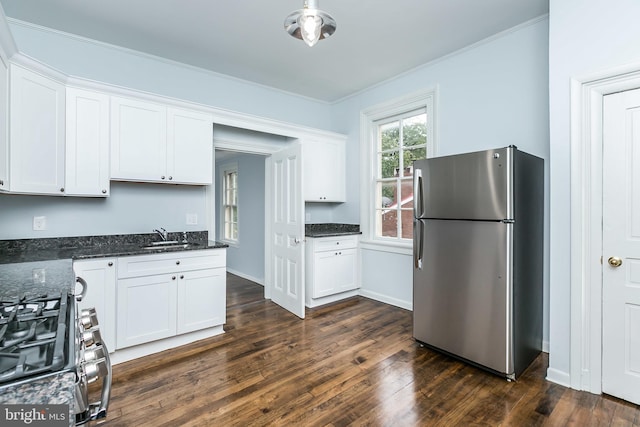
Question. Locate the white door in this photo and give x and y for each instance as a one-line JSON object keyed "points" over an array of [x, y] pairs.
{"points": [[287, 231], [621, 246]]}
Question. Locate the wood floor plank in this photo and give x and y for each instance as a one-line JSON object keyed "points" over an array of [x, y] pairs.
{"points": [[350, 363]]}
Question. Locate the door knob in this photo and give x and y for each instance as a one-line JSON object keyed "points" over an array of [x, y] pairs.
{"points": [[615, 261]]}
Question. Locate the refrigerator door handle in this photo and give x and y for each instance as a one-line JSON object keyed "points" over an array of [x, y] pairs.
{"points": [[418, 241], [418, 209]]}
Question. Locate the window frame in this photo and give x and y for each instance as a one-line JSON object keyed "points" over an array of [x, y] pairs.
{"points": [[224, 171], [369, 121]]}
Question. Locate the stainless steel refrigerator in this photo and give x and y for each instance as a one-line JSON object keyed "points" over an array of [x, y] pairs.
{"points": [[478, 257]]}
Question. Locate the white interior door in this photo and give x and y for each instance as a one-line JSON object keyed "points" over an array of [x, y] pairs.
{"points": [[287, 231], [621, 246]]}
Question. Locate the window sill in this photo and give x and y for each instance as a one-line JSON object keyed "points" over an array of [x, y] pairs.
{"points": [[392, 247]]}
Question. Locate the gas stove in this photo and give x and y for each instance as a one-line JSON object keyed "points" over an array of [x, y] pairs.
{"points": [[34, 338]]}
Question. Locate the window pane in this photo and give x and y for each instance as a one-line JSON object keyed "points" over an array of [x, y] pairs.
{"points": [[389, 164], [406, 193], [411, 155], [414, 130], [389, 136], [386, 194], [388, 219], [407, 223]]}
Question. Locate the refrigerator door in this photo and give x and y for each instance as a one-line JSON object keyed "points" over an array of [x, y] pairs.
{"points": [[475, 186], [462, 290]]}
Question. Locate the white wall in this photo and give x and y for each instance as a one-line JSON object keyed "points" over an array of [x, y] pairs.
{"points": [[246, 257], [584, 38], [490, 95]]}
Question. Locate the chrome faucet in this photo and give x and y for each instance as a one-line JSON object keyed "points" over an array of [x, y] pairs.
{"points": [[163, 233]]}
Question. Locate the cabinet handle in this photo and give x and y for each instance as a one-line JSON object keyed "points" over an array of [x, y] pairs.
{"points": [[162, 177], [182, 276], [170, 177], [104, 191], [62, 190], [173, 277], [110, 264], [177, 262]]}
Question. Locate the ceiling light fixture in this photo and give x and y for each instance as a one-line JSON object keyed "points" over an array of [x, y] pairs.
{"points": [[310, 24]]}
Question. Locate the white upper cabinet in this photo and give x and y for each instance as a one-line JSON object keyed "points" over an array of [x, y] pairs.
{"points": [[138, 140], [4, 122], [36, 133], [324, 170], [87, 146], [189, 146], [153, 143]]}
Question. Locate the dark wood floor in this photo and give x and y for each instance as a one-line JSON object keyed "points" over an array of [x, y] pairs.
{"points": [[350, 363]]}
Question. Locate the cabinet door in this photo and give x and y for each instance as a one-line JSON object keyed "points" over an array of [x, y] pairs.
{"points": [[189, 147], [138, 140], [100, 276], [146, 309], [87, 143], [324, 171], [201, 299], [323, 274], [37, 134], [4, 128], [345, 270]]}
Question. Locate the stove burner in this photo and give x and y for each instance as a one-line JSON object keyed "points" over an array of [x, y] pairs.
{"points": [[32, 336]]}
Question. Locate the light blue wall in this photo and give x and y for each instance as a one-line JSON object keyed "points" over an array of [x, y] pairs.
{"points": [[132, 208], [246, 257], [490, 95], [584, 38]]}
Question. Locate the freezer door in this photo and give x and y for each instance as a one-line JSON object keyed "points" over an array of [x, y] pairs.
{"points": [[475, 186], [462, 290]]}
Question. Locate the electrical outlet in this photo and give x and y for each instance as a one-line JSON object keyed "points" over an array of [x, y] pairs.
{"points": [[192, 219], [39, 223]]}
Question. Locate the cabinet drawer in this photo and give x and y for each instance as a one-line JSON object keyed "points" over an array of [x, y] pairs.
{"points": [[145, 265], [333, 243]]}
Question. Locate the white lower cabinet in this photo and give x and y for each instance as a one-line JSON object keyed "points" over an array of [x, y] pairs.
{"points": [[146, 309], [187, 294], [100, 275], [331, 269], [201, 299]]}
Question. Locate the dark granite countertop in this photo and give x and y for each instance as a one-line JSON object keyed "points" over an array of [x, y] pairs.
{"points": [[330, 229], [55, 389], [85, 247]]}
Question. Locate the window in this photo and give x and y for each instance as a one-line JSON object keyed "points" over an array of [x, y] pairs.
{"points": [[400, 140], [230, 203], [393, 136]]}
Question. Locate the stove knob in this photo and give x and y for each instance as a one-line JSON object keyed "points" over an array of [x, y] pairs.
{"points": [[95, 370], [94, 353], [91, 337], [88, 318]]}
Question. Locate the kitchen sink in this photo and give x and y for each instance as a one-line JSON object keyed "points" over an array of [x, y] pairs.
{"points": [[170, 245]]}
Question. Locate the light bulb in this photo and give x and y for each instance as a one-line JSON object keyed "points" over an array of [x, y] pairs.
{"points": [[310, 26]]}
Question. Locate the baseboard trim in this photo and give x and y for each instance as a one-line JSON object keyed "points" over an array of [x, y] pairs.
{"points": [[558, 377], [407, 305], [245, 276]]}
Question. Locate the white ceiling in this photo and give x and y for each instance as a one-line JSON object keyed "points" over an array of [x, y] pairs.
{"points": [[375, 39]]}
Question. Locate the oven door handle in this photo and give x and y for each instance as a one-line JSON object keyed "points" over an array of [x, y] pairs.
{"points": [[84, 289], [99, 409]]}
